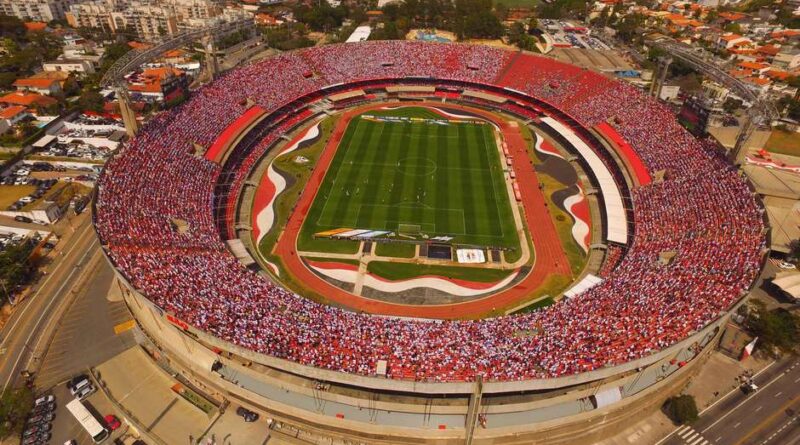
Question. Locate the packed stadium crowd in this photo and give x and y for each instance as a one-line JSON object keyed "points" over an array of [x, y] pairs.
{"points": [[697, 246]]}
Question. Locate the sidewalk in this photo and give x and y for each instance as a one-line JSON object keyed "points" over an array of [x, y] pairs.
{"points": [[66, 229], [717, 377]]}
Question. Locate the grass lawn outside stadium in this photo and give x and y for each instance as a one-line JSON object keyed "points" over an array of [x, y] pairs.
{"points": [[443, 176]]}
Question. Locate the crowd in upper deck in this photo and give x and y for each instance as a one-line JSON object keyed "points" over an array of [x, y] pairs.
{"points": [[697, 245]]}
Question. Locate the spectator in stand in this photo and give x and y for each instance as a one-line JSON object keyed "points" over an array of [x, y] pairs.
{"points": [[702, 212]]}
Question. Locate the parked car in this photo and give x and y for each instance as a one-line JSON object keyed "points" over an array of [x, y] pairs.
{"points": [[24, 219], [80, 205], [36, 429], [41, 418], [248, 415], [46, 407], [786, 265], [32, 431], [77, 382], [84, 391], [112, 422], [36, 439]]}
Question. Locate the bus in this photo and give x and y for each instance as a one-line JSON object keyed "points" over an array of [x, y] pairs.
{"points": [[88, 421]]}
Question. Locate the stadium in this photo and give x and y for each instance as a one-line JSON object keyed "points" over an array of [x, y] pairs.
{"points": [[361, 239]]}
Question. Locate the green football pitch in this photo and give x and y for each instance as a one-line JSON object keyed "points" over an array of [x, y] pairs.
{"points": [[445, 178]]}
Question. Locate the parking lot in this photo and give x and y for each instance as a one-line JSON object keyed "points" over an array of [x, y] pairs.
{"points": [[65, 427], [569, 35]]}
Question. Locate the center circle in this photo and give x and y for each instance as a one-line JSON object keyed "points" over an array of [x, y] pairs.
{"points": [[416, 166]]}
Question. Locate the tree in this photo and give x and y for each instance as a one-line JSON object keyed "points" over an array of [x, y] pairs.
{"points": [[288, 36], [11, 27], [794, 251], [734, 28], [790, 107], [475, 19], [561, 9], [682, 409], [389, 31], [321, 16], [15, 404], [519, 37], [91, 101], [731, 105], [778, 328]]}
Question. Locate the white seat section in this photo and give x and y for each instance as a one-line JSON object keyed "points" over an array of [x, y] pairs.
{"points": [[588, 282], [616, 218]]}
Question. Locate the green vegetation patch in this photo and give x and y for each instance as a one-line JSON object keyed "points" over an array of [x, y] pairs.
{"points": [[9, 194], [397, 250], [404, 271], [333, 260], [446, 179], [544, 295], [15, 404], [783, 142], [544, 302]]}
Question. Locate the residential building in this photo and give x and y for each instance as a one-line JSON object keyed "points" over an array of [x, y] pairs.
{"points": [[267, 20], [731, 40], [62, 77], [715, 91], [149, 22], [788, 58], [11, 116], [149, 19], [755, 68], [42, 86], [36, 10], [27, 99], [157, 84], [78, 66], [94, 14]]}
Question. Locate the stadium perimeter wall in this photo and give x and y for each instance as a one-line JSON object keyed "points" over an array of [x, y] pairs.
{"points": [[194, 359]]}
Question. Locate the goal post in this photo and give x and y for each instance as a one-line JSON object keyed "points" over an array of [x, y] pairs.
{"points": [[409, 229]]}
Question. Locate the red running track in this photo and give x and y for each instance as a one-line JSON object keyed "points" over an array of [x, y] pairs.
{"points": [[550, 256]]}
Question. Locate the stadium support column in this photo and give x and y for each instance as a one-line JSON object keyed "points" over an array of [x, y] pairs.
{"points": [[473, 410], [125, 109], [740, 147], [212, 65], [658, 82]]}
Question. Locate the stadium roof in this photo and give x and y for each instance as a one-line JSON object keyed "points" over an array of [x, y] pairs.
{"points": [[789, 282], [360, 34], [784, 217]]}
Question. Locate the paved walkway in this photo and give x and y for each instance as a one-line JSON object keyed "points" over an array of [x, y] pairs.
{"points": [[134, 382]]}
